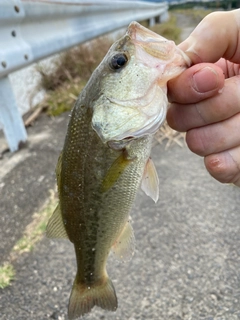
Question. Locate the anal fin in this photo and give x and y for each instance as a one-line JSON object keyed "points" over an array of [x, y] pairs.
{"points": [[123, 247], [55, 226]]}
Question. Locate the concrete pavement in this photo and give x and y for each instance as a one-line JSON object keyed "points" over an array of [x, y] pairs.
{"points": [[187, 262]]}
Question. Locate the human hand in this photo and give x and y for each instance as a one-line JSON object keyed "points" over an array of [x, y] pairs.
{"points": [[206, 97]]}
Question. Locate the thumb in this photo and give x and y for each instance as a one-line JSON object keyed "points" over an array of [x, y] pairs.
{"points": [[217, 36]]}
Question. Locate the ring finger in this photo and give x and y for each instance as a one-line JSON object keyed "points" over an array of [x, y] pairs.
{"points": [[225, 166]]}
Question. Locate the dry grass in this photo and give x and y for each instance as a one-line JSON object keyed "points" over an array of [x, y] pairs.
{"points": [[77, 63], [70, 73], [168, 29], [196, 15], [169, 136]]}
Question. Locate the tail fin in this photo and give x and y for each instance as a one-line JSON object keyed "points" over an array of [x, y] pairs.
{"points": [[84, 298]]}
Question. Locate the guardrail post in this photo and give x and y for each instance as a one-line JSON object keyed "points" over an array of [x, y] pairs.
{"points": [[151, 21], [164, 17], [10, 118]]}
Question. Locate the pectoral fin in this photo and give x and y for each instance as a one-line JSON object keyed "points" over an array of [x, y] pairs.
{"points": [[123, 247], [115, 171], [150, 182], [55, 226]]}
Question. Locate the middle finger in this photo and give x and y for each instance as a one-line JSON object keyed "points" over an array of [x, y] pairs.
{"points": [[218, 108], [214, 138]]}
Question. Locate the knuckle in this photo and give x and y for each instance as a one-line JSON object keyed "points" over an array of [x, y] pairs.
{"points": [[196, 141], [175, 118]]}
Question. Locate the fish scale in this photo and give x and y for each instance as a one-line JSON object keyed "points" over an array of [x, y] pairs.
{"points": [[106, 157], [101, 215]]}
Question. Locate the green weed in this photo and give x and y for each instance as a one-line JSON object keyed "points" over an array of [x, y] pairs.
{"points": [[7, 274], [35, 230], [32, 234]]}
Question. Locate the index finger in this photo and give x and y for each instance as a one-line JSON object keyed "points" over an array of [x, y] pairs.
{"points": [[217, 36]]}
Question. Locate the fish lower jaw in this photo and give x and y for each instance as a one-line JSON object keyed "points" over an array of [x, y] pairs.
{"points": [[147, 130]]}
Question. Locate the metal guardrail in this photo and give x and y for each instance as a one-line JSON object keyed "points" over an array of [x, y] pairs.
{"points": [[31, 30]]}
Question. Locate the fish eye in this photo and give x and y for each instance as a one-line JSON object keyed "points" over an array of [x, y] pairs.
{"points": [[118, 61]]}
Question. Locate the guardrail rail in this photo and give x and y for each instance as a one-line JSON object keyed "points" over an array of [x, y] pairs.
{"points": [[31, 30]]}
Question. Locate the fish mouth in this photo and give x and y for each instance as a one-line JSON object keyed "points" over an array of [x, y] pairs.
{"points": [[152, 43], [156, 46], [137, 32]]}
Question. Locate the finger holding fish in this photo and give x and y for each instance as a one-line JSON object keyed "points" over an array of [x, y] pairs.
{"points": [[221, 106], [199, 82], [209, 116]]}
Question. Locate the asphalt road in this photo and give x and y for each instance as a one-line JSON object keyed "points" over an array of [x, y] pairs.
{"points": [[187, 260]]}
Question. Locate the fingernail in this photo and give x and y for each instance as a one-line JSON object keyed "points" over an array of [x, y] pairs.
{"points": [[205, 80]]}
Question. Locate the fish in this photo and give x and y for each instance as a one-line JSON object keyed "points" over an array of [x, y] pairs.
{"points": [[106, 158]]}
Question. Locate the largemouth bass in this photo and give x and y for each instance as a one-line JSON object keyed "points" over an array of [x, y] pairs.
{"points": [[106, 157]]}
